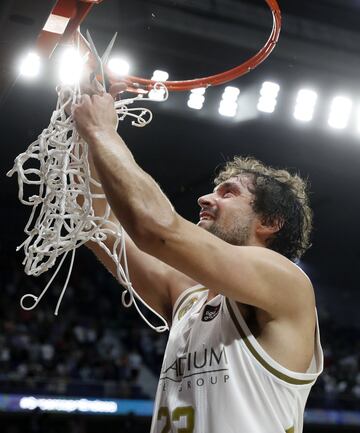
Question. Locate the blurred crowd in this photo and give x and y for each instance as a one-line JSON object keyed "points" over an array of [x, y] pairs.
{"points": [[96, 347], [338, 387]]}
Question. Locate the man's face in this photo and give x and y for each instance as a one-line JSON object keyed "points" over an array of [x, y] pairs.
{"points": [[227, 212]]}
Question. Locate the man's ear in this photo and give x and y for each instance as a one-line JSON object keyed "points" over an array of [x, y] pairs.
{"points": [[267, 228]]}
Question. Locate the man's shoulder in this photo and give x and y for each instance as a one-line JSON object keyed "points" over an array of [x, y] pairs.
{"points": [[277, 260], [286, 281]]}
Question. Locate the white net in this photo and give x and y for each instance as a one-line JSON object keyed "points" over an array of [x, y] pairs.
{"points": [[62, 216]]}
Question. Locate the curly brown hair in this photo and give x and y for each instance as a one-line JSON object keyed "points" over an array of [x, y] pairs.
{"points": [[278, 196]]}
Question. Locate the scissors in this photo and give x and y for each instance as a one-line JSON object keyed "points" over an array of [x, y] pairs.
{"points": [[100, 61]]}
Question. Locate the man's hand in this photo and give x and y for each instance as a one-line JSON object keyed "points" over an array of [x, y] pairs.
{"points": [[93, 114]]}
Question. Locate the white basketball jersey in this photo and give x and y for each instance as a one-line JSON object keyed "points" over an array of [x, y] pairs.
{"points": [[216, 378]]}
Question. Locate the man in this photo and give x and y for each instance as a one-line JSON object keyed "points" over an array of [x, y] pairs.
{"points": [[243, 349]]}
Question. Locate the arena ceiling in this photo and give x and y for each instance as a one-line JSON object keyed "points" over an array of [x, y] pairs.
{"points": [[319, 46]]}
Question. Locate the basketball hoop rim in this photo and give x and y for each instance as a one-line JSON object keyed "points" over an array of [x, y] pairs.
{"points": [[75, 11], [137, 83]]}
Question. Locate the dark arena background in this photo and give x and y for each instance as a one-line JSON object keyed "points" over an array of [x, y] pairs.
{"points": [[94, 367]]}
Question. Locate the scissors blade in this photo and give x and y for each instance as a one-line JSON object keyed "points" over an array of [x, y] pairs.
{"points": [[105, 57], [95, 53]]}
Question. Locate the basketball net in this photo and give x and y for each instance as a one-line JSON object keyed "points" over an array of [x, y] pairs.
{"points": [[58, 224], [62, 216]]}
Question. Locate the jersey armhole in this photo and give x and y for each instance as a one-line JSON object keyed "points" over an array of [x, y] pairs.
{"points": [[184, 296]]}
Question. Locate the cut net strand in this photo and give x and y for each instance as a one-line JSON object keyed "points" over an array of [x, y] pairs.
{"points": [[62, 217]]}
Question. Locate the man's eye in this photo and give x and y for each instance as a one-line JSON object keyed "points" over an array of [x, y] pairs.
{"points": [[228, 194]]}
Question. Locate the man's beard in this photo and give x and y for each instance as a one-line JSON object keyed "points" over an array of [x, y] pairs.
{"points": [[235, 235]]}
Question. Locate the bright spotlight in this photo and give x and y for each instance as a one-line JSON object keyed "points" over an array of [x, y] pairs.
{"points": [[118, 66], [196, 98], [228, 108], [159, 75], [71, 66], [228, 104], [269, 89], [305, 105], [30, 65], [340, 112], [198, 91], [231, 92], [268, 97]]}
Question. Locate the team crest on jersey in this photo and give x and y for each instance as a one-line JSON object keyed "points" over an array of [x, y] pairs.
{"points": [[210, 312], [187, 306]]}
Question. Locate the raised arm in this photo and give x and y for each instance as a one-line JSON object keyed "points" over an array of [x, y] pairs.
{"points": [[251, 275], [156, 282]]}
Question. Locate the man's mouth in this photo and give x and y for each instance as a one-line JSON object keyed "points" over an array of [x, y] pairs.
{"points": [[206, 216]]}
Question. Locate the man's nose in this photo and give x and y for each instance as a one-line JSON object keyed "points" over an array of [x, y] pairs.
{"points": [[206, 200]]}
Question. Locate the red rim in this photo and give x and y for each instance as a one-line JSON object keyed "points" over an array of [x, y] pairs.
{"points": [[138, 84], [76, 10]]}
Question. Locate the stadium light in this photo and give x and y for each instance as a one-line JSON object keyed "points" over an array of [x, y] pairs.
{"points": [[268, 97], [30, 65], [231, 92], [71, 66], [119, 66], [228, 104], [340, 112], [159, 75], [305, 105], [196, 98]]}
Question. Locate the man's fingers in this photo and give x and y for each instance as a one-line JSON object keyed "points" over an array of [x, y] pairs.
{"points": [[99, 88], [85, 98], [86, 89], [94, 89], [117, 88], [96, 97]]}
